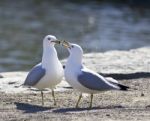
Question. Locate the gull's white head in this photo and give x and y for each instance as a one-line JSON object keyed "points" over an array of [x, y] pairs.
{"points": [[49, 51], [75, 51], [50, 40]]}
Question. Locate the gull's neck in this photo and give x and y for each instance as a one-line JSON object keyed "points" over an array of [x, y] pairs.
{"points": [[74, 61], [49, 56]]}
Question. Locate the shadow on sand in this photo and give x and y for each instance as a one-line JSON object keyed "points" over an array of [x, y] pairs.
{"points": [[121, 76], [65, 110], [29, 108]]}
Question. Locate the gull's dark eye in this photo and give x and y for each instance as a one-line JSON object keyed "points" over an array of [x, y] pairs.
{"points": [[49, 38], [72, 46]]}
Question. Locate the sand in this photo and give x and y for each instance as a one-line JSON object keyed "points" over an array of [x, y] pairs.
{"points": [[24, 104]]}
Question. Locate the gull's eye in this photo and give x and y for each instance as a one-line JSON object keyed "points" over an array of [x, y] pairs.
{"points": [[49, 38], [72, 46]]}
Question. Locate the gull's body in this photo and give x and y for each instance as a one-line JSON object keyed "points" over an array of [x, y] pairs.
{"points": [[85, 80], [49, 72], [81, 80]]}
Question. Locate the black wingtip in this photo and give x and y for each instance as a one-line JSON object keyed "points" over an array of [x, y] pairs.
{"points": [[123, 87]]}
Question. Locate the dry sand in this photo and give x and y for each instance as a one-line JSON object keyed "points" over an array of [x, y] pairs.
{"points": [[107, 106], [24, 104]]}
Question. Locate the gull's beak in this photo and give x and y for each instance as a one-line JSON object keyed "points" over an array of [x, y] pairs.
{"points": [[66, 44], [57, 41]]}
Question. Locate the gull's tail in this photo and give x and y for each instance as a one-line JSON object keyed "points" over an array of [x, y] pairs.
{"points": [[121, 87]]}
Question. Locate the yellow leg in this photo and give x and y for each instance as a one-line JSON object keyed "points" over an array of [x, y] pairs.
{"points": [[42, 98], [77, 104], [53, 95], [91, 101]]}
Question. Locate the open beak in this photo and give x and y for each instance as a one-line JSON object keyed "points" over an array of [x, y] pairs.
{"points": [[57, 41], [65, 44]]}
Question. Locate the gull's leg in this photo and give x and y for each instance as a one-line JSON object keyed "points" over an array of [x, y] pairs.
{"points": [[53, 95], [91, 101], [42, 97], [80, 96]]}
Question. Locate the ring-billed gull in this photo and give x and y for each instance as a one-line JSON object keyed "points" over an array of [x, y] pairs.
{"points": [[49, 72], [83, 79]]}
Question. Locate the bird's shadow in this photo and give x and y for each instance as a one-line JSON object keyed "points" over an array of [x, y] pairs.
{"points": [[122, 76], [65, 110], [29, 108]]}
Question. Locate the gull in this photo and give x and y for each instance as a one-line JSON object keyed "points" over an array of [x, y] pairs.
{"points": [[83, 79], [49, 72]]}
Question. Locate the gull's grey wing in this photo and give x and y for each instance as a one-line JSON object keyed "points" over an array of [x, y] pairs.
{"points": [[94, 82], [35, 75]]}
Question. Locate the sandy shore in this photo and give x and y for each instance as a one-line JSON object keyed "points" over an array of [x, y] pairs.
{"points": [[107, 106], [24, 104]]}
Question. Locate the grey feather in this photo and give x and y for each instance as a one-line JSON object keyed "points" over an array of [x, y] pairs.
{"points": [[94, 82], [35, 75]]}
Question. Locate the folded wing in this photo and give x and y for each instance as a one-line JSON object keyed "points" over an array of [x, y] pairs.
{"points": [[35, 75]]}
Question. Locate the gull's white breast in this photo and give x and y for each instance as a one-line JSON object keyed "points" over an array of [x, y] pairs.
{"points": [[53, 76]]}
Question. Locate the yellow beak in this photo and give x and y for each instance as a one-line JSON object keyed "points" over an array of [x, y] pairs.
{"points": [[66, 44]]}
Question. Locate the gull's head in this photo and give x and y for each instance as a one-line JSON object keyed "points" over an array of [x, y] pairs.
{"points": [[74, 49], [50, 40]]}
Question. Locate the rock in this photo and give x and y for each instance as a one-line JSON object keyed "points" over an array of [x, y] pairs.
{"points": [[148, 106], [108, 115], [142, 94], [11, 82]]}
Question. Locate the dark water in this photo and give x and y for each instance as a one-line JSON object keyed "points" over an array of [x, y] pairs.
{"points": [[96, 27]]}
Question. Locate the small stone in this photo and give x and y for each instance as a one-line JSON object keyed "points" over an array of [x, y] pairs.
{"points": [[11, 82], [16, 86], [107, 114], [29, 100], [142, 95], [148, 106], [34, 94]]}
